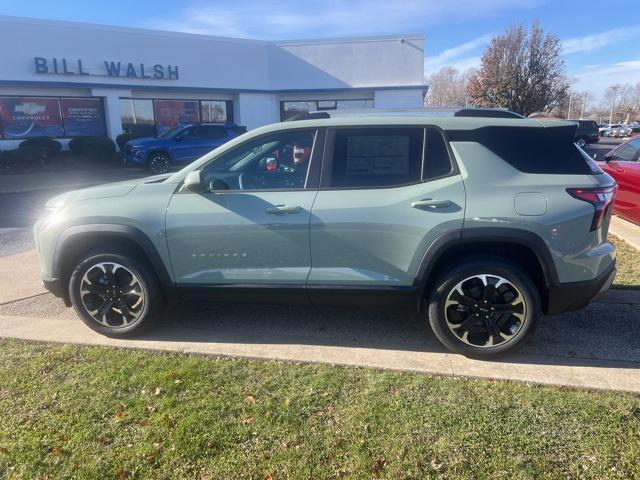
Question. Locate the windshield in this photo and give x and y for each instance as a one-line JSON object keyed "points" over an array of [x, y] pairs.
{"points": [[172, 131]]}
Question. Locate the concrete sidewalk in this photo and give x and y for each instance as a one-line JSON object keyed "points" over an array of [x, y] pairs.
{"points": [[65, 179], [625, 230], [576, 372]]}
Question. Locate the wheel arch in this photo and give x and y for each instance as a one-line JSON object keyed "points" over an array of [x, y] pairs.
{"points": [[524, 248], [77, 241]]}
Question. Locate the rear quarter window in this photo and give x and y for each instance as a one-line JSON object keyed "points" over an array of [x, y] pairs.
{"points": [[546, 150]]}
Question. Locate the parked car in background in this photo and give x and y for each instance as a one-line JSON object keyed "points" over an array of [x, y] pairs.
{"points": [[635, 131], [377, 211], [179, 146], [586, 133], [623, 164]]}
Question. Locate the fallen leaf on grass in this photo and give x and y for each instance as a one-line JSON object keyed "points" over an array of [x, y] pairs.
{"points": [[144, 422], [268, 477], [177, 381], [122, 473], [120, 414], [247, 421], [56, 452], [249, 399], [156, 392], [378, 464], [4, 450], [436, 466]]}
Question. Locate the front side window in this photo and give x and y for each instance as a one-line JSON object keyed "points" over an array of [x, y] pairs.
{"points": [[273, 162], [627, 152], [376, 157]]}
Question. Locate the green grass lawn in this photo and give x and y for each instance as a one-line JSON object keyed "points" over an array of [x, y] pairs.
{"points": [[628, 263], [94, 413]]}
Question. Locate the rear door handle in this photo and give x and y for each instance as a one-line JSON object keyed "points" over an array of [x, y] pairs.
{"points": [[283, 210], [430, 204]]}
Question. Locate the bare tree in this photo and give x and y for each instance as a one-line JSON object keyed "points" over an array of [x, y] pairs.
{"points": [[447, 88], [612, 97], [521, 70]]}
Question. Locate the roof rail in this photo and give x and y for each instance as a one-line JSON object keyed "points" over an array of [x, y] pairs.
{"points": [[308, 116], [395, 112], [486, 112]]}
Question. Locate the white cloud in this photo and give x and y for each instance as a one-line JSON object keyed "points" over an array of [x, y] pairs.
{"points": [[596, 78], [282, 19], [599, 40], [451, 56]]}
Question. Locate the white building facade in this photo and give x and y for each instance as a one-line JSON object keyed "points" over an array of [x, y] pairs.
{"points": [[64, 79]]}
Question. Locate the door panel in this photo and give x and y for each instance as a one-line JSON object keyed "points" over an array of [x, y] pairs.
{"points": [[240, 237], [375, 236], [632, 192]]}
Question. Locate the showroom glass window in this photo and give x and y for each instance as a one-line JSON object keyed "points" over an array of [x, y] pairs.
{"points": [[83, 117], [169, 113], [290, 108], [137, 116], [272, 162], [216, 111], [25, 117]]}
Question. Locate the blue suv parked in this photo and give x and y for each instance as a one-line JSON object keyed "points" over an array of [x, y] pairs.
{"points": [[178, 146]]}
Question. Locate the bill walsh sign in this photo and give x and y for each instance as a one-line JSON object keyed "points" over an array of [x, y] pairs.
{"points": [[108, 68]]}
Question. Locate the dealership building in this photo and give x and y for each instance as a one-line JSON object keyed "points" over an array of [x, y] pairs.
{"points": [[65, 79]]}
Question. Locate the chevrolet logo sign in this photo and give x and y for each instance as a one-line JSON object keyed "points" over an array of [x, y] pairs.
{"points": [[29, 108]]}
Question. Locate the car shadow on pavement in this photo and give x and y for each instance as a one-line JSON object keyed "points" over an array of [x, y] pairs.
{"points": [[597, 336]]}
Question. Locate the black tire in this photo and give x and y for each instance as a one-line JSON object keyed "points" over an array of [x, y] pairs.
{"points": [[517, 283], [582, 142], [146, 314], [158, 162]]}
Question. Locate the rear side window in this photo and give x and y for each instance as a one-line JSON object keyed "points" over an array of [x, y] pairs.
{"points": [[376, 157], [437, 162], [547, 150]]}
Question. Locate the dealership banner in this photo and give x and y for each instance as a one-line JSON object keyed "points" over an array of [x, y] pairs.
{"points": [[170, 113], [83, 117], [24, 117]]}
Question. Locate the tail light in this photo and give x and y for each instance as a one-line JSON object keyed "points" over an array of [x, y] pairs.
{"points": [[600, 198]]}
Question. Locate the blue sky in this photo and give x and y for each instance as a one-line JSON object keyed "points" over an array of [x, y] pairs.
{"points": [[601, 39]]}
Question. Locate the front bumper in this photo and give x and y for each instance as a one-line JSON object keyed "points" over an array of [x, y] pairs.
{"points": [[566, 297], [54, 285]]}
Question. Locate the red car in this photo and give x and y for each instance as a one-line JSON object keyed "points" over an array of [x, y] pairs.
{"points": [[623, 164]]}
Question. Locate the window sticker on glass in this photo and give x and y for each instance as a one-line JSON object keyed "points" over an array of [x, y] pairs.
{"points": [[378, 155]]}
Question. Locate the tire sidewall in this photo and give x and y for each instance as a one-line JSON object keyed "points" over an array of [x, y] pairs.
{"points": [[159, 155], [443, 286], [148, 283]]}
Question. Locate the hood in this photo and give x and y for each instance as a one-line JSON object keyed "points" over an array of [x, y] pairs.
{"points": [[116, 189], [144, 142]]}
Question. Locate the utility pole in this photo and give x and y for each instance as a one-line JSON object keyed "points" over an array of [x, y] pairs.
{"points": [[570, 100], [584, 104]]}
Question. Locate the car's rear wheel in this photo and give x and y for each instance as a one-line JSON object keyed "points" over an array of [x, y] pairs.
{"points": [[581, 142], [483, 308], [159, 162], [115, 294]]}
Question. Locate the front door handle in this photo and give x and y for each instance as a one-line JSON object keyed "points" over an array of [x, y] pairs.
{"points": [[430, 204], [283, 210]]}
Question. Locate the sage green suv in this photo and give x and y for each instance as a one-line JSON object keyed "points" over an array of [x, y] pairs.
{"points": [[481, 224]]}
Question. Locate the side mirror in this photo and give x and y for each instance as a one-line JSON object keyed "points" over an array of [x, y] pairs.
{"points": [[193, 182], [608, 157]]}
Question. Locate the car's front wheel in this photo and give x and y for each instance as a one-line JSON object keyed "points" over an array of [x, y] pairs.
{"points": [[159, 162], [581, 142], [115, 294], [483, 307]]}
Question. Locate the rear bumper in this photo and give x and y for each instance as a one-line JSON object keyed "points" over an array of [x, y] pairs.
{"points": [[566, 297]]}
